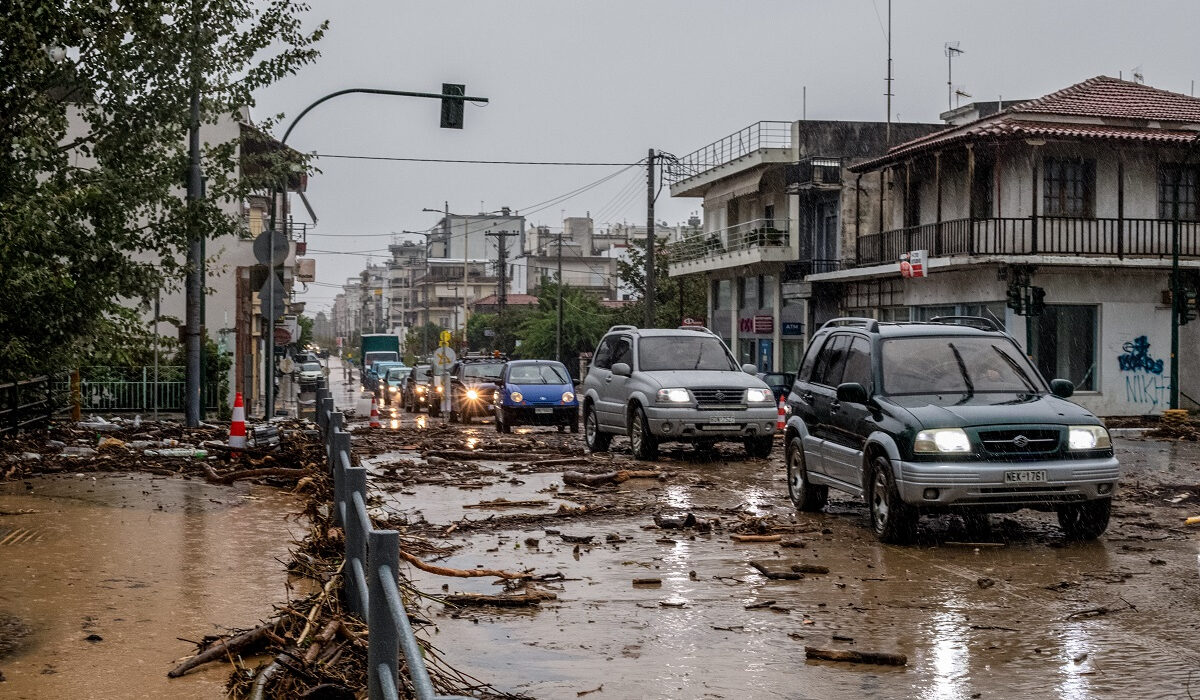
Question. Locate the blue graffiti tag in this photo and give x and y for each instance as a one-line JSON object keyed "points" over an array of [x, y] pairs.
{"points": [[1137, 356]]}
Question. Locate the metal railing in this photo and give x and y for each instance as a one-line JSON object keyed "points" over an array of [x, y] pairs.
{"points": [[758, 233], [138, 389], [1043, 235], [757, 136], [25, 404], [371, 570]]}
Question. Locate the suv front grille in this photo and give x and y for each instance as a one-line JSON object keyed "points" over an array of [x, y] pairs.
{"points": [[1020, 441], [719, 396]]}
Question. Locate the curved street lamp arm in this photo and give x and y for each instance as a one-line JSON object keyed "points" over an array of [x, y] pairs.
{"points": [[376, 91]]}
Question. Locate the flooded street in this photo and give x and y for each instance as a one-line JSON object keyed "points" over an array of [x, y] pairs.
{"points": [[1010, 610], [105, 571]]}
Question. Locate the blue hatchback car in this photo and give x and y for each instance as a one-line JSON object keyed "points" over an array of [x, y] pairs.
{"points": [[535, 392]]}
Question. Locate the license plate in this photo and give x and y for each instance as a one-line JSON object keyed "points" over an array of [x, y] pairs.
{"points": [[543, 411], [720, 420], [1025, 477]]}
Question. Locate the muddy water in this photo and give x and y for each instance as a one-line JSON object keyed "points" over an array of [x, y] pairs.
{"points": [[108, 572], [1015, 613]]}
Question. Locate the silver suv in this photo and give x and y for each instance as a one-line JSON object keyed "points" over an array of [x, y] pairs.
{"points": [[661, 384]]}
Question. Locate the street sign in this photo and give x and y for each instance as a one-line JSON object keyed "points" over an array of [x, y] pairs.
{"points": [[443, 357], [268, 251], [444, 339], [271, 298], [282, 336]]}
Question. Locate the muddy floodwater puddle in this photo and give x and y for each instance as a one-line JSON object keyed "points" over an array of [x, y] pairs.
{"points": [[113, 568]]}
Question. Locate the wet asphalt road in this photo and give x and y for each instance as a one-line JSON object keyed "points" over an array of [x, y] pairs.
{"points": [[1011, 612]]}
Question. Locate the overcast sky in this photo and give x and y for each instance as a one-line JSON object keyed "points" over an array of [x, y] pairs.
{"points": [[603, 81]]}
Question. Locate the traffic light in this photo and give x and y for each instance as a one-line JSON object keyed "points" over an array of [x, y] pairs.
{"points": [[1037, 303], [1014, 298], [452, 110], [1187, 306]]}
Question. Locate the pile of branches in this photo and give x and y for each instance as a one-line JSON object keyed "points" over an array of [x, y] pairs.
{"points": [[1176, 424]]}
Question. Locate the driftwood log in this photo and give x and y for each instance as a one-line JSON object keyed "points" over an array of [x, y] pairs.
{"points": [[225, 647], [773, 574], [215, 478], [756, 538], [856, 657], [523, 600], [573, 478], [459, 573], [810, 569]]}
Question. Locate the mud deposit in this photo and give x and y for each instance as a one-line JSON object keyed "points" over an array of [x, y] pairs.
{"points": [[650, 607], [106, 571]]}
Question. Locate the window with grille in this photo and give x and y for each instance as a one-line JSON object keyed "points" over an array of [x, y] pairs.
{"points": [[1188, 180], [1069, 187]]}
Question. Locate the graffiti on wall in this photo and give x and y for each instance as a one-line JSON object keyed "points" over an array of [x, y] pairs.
{"points": [[1137, 357]]}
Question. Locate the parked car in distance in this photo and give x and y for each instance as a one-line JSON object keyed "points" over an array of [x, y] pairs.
{"points": [[780, 383], [373, 378], [472, 386], [947, 415], [535, 392], [660, 384], [420, 393], [308, 373], [391, 383]]}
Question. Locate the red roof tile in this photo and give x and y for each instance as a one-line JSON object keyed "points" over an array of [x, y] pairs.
{"points": [[1100, 97]]}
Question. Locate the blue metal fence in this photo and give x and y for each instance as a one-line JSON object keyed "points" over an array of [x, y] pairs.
{"points": [[372, 569]]}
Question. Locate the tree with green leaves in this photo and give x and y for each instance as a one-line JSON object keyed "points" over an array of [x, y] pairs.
{"points": [[94, 114], [505, 329], [584, 322], [675, 298], [421, 341]]}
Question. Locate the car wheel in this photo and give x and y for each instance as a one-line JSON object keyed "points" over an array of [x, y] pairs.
{"points": [[759, 447], [641, 440], [1085, 521], [893, 520], [804, 495], [596, 440], [435, 410]]}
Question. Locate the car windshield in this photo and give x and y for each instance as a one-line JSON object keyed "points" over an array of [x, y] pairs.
{"points": [[538, 374], [310, 367], [489, 370], [398, 372], [956, 365], [421, 372], [691, 352]]}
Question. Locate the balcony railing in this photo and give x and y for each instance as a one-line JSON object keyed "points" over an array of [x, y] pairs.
{"points": [[1044, 235], [756, 234], [744, 142]]}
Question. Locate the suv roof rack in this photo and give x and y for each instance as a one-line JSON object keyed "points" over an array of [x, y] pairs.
{"points": [[702, 329], [622, 328], [980, 322], [870, 324]]}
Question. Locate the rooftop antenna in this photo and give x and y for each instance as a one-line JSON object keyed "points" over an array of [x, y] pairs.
{"points": [[1138, 77], [958, 94], [952, 50], [888, 133]]}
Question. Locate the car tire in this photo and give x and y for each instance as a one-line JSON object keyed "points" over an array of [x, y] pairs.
{"points": [[804, 495], [893, 520], [1085, 521], [759, 447], [435, 410], [593, 437], [641, 440]]}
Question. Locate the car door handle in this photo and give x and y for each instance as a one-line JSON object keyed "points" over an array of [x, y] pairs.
{"points": [[806, 397], [835, 406]]}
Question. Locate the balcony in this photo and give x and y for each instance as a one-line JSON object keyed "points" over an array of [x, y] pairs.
{"points": [[758, 138], [747, 243], [814, 173], [1045, 235]]}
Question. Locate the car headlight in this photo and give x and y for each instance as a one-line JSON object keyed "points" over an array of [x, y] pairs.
{"points": [[942, 440], [674, 396], [420, 390], [568, 397], [472, 395], [759, 396], [1088, 437], [391, 388], [516, 396], [440, 390]]}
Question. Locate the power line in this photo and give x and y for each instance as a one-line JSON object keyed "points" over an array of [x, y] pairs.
{"points": [[469, 161]]}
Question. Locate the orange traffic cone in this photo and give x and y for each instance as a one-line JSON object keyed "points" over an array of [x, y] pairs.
{"points": [[237, 428], [375, 413], [779, 422]]}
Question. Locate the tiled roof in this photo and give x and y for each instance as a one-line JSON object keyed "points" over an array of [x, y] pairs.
{"points": [[1099, 97]]}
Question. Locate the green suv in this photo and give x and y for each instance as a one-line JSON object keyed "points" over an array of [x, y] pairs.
{"points": [[947, 415]]}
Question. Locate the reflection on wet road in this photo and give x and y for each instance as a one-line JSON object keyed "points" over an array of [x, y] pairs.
{"points": [[126, 564]]}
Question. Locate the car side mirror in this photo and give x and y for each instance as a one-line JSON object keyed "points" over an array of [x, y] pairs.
{"points": [[1062, 388], [750, 369], [852, 392], [622, 369]]}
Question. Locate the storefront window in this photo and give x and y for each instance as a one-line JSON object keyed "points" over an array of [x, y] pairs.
{"points": [[792, 351], [722, 294], [1064, 344], [746, 351]]}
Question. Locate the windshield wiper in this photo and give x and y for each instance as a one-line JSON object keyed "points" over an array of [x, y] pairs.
{"points": [[962, 369], [1016, 368]]}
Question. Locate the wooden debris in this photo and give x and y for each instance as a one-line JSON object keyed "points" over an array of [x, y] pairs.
{"points": [[215, 478], [572, 478], [459, 573], [856, 657], [225, 648], [505, 503], [647, 582], [756, 538], [769, 573], [759, 604], [523, 600], [810, 569], [576, 539], [1098, 611]]}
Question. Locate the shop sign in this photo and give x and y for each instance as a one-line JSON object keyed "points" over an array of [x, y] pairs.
{"points": [[912, 263], [793, 328]]}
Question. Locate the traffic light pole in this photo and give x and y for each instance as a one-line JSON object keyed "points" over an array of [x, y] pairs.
{"points": [[1176, 290]]}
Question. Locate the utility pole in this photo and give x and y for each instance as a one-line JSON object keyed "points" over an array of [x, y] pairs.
{"points": [[559, 305], [648, 321], [889, 75], [502, 266], [1176, 288], [195, 274]]}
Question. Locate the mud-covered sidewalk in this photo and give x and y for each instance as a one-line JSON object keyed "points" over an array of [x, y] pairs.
{"points": [[695, 578]]}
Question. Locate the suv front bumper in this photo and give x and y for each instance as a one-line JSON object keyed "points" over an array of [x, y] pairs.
{"points": [[693, 424], [928, 484]]}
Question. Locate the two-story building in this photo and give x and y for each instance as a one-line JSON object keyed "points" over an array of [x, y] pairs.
{"points": [[1078, 204]]}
